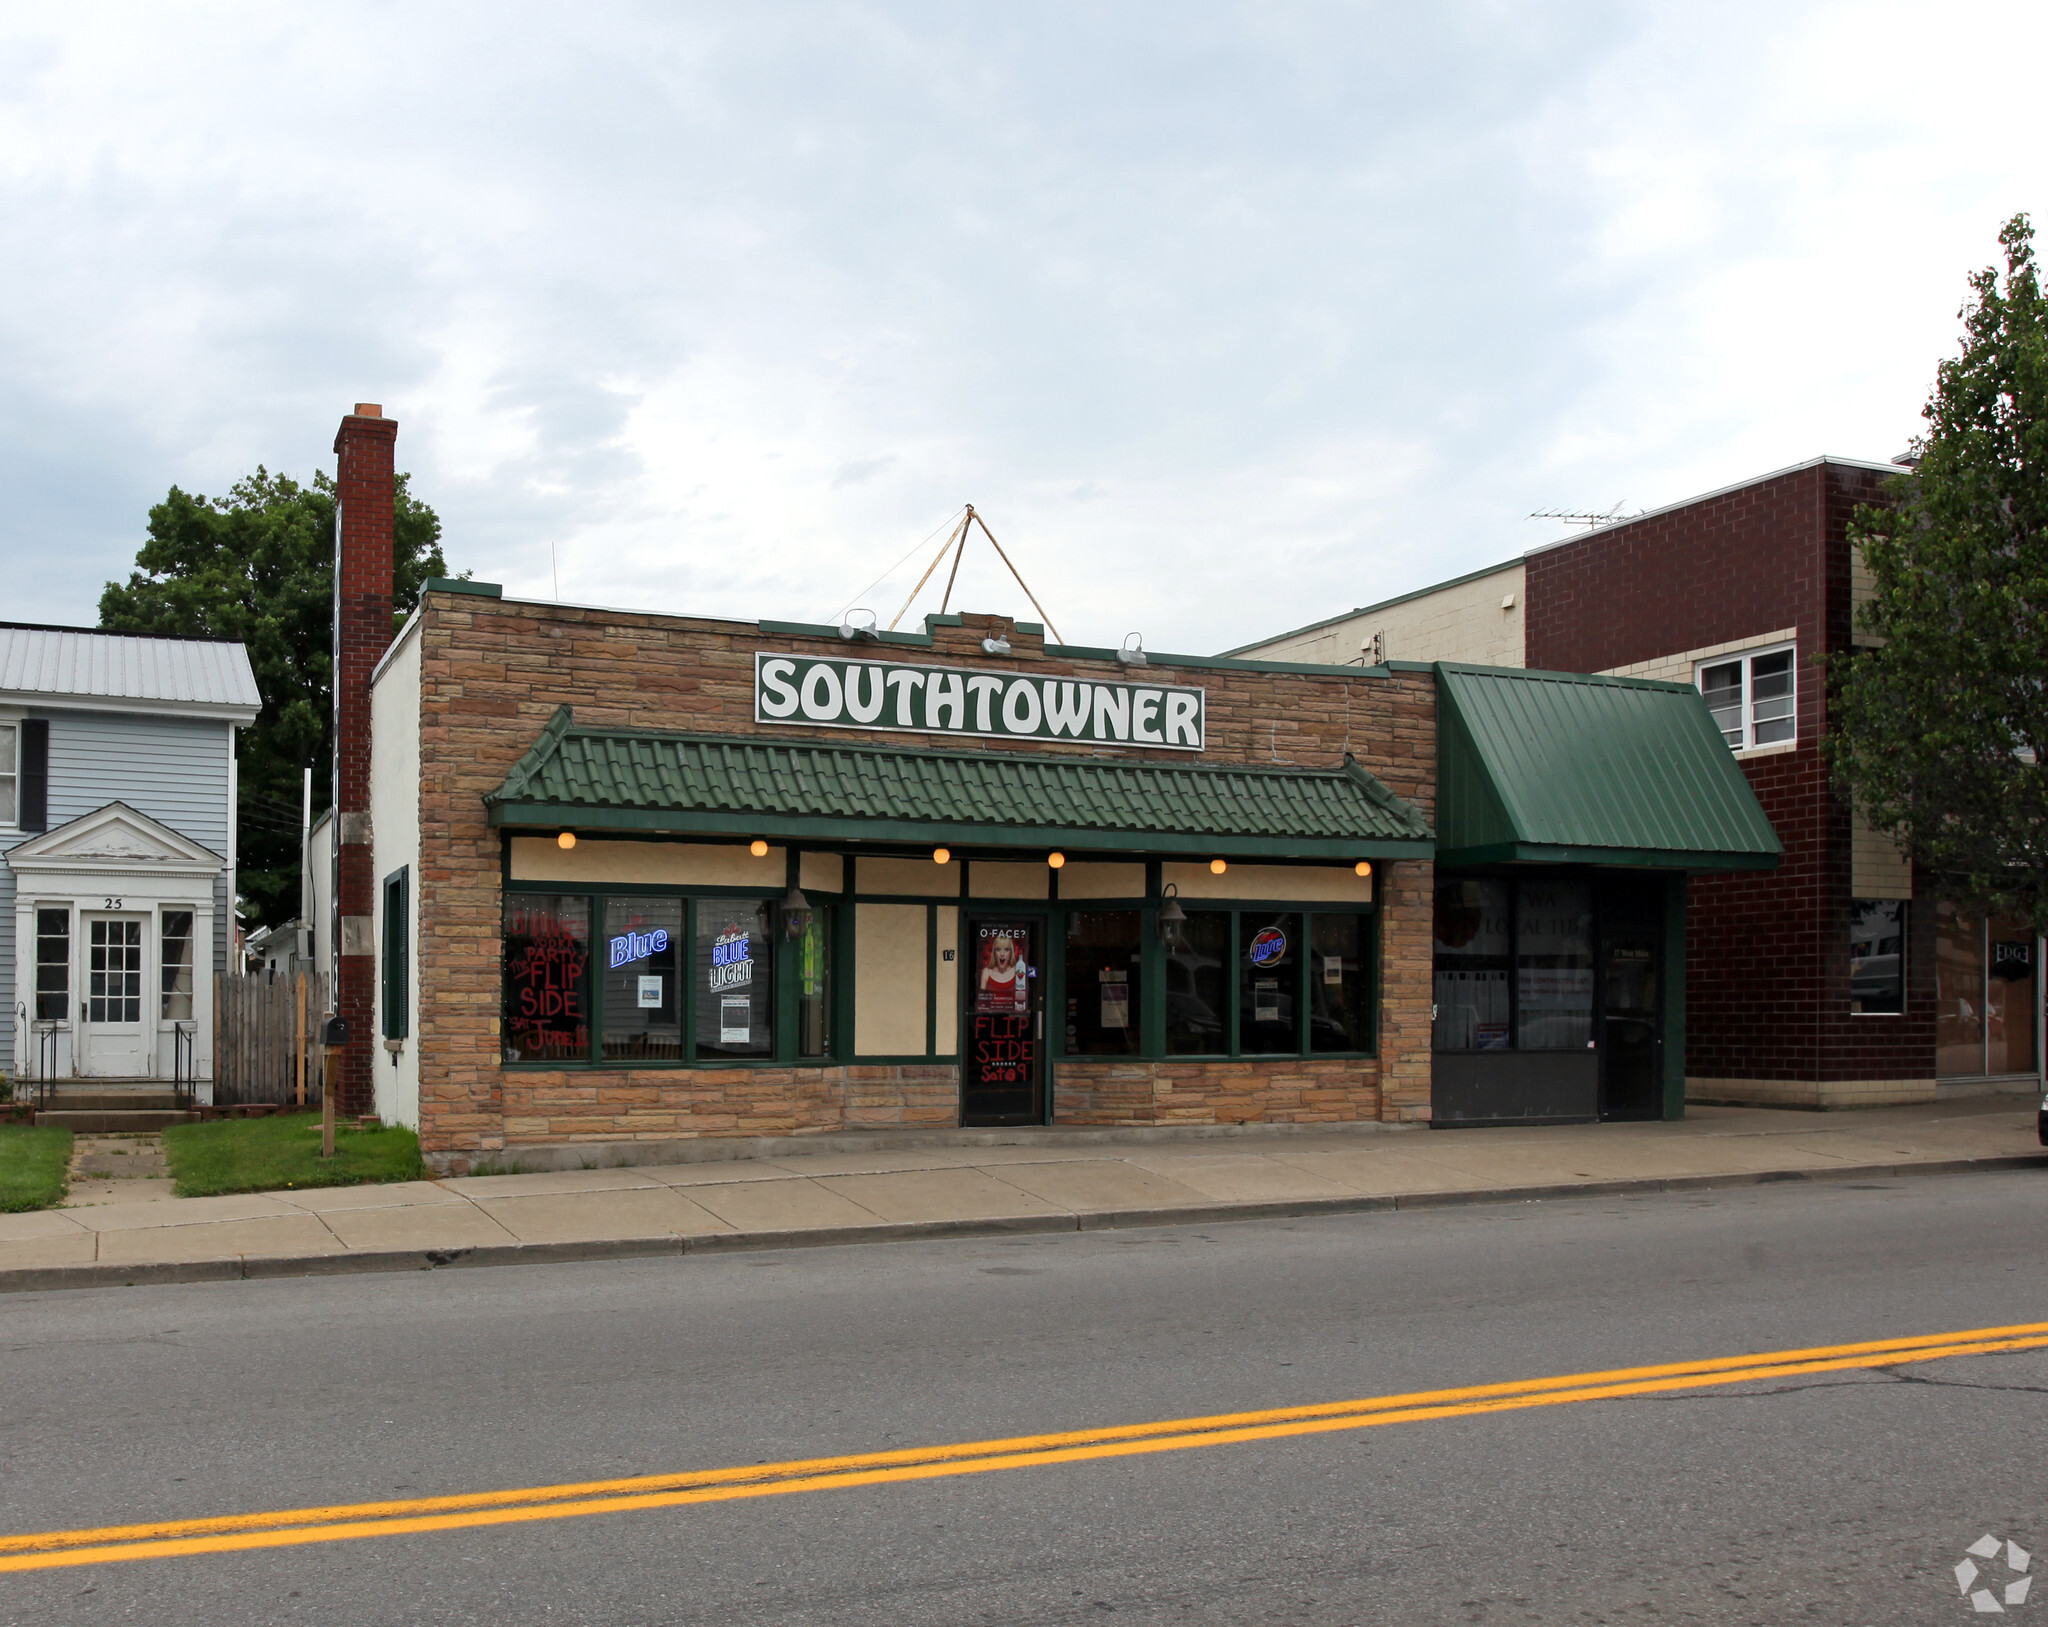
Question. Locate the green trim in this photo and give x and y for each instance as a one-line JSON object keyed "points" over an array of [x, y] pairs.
{"points": [[1641, 858], [808, 629], [853, 829], [450, 584]]}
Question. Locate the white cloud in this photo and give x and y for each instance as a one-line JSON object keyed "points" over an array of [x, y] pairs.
{"points": [[1224, 327]]}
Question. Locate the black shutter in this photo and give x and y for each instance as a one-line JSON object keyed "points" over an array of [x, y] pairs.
{"points": [[35, 774]]}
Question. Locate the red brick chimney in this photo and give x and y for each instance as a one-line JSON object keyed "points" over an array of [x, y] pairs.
{"points": [[365, 485]]}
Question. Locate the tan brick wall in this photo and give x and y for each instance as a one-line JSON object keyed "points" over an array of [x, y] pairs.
{"points": [[493, 672], [1464, 621]]}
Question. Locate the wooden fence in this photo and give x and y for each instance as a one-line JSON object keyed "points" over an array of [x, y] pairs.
{"points": [[266, 1030]]}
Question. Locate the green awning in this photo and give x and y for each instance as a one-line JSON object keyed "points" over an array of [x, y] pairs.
{"points": [[1573, 769], [642, 780]]}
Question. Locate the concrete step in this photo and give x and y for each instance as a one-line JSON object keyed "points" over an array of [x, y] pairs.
{"points": [[91, 1121], [134, 1099]]}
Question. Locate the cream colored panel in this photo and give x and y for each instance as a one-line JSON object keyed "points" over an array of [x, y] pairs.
{"points": [[999, 880], [678, 864], [1878, 866], [946, 978], [1102, 881], [1310, 884], [920, 877], [888, 979], [824, 871]]}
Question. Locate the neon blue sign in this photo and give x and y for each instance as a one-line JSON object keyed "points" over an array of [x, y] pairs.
{"points": [[638, 946]]}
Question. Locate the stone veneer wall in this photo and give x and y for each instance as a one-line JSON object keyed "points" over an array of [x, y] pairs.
{"points": [[493, 672]]}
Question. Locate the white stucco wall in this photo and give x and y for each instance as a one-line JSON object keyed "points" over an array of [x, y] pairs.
{"points": [[1460, 621], [395, 843]]}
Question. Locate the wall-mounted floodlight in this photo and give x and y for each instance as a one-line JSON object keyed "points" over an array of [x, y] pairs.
{"points": [[851, 627], [1133, 652], [995, 646]]}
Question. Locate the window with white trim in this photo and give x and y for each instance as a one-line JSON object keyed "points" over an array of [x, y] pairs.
{"points": [[10, 774], [1753, 696]]}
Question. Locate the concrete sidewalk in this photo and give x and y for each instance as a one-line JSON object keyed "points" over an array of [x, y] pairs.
{"points": [[1039, 1181]]}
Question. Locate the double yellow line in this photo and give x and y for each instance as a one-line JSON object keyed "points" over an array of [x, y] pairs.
{"points": [[283, 1528]]}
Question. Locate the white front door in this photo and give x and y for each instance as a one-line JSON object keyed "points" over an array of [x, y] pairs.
{"points": [[116, 1016]]}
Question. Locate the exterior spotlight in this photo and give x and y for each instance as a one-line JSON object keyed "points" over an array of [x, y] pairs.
{"points": [[995, 646], [1133, 652], [759, 848], [941, 854], [1056, 861], [1363, 867], [1171, 916], [566, 839], [851, 628], [1217, 867]]}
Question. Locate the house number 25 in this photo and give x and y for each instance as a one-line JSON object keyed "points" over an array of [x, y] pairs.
{"points": [[113, 903]]}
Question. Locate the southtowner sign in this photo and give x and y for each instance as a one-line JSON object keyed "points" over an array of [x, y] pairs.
{"points": [[827, 693]]}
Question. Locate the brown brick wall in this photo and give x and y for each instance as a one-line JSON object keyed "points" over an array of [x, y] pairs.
{"points": [[493, 672], [1767, 964]]}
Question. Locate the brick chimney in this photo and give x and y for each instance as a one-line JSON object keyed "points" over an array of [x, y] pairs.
{"points": [[365, 485]]}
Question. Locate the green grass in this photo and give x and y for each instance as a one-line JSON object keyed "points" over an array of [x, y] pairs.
{"points": [[32, 1166], [269, 1155]]}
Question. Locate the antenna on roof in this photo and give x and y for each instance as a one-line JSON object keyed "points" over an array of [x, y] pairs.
{"points": [[1590, 520]]}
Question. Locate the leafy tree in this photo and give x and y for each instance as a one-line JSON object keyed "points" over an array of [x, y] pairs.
{"points": [[1940, 726], [258, 565]]}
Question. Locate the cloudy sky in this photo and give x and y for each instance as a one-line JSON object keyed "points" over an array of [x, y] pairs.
{"points": [[1226, 317]]}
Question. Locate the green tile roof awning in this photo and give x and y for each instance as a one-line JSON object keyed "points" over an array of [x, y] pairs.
{"points": [[1574, 769], [633, 780]]}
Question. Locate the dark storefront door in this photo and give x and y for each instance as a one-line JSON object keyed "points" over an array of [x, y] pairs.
{"points": [[1631, 994], [1002, 1054]]}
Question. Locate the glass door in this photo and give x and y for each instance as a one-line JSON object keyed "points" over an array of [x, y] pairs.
{"points": [[1002, 1056], [116, 1020], [1631, 1003]]}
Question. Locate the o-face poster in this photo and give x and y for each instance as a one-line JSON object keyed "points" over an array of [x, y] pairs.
{"points": [[1002, 969]]}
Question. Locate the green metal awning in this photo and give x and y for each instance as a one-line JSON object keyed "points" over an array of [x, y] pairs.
{"points": [[1573, 769], [641, 780]]}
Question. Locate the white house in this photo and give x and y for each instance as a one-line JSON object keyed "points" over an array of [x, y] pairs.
{"points": [[117, 848]]}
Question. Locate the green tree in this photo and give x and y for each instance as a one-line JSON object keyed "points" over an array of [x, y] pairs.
{"points": [[258, 566], [1940, 722]]}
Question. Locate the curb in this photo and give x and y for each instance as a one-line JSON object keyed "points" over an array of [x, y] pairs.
{"points": [[43, 1279]]}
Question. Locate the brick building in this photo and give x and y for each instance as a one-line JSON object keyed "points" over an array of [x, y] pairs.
{"points": [[1840, 978], [634, 878]]}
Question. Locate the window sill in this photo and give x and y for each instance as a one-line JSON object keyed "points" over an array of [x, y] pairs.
{"points": [[1777, 748]]}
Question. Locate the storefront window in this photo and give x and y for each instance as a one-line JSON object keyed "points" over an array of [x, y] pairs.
{"points": [[53, 965], [1339, 991], [1877, 957], [1269, 984], [1986, 994], [735, 979], [1553, 965], [1198, 984], [1473, 917], [642, 979], [177, 966], [2009, 1003], [813, 953], [547, 971], [1102, 983]]}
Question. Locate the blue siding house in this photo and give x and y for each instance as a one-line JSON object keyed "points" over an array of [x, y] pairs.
{"points": [[117, 848]]}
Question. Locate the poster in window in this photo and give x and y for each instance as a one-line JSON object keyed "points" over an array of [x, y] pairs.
{"points": [[650, 994], [1116, 999], [735, 1020], [1266, 1000], [1003, 974]]}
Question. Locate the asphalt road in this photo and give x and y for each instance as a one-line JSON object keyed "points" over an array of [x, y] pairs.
{"points": [[1836, 1498]]}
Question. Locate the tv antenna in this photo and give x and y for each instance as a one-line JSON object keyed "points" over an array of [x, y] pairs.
{"points": [[956, 543], [1581, 517]]}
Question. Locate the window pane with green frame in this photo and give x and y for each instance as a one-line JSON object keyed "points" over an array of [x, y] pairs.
{"points": [[1269, 984], [547, 978], [1339, 983], [1102, 983], [812, 954], [1198, 984], [735, 979], [643, 1004]]}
